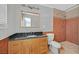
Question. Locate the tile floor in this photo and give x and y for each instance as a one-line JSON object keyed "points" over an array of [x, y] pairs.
{"points": [[68, 48]]}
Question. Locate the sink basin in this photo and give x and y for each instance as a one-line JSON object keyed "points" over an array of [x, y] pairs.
{"points": [[31, 36]]}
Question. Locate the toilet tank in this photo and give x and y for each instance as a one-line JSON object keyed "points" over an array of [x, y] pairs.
{"points": [[50, 37]]}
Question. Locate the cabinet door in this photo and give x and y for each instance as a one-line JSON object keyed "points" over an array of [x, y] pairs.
{"points": [[43, 45], [26, 46], [14, 47], [35, 46], [39, 46]]}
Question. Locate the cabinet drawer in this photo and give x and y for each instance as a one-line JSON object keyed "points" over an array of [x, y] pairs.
{"points": [[14, 44], [43, 39]]}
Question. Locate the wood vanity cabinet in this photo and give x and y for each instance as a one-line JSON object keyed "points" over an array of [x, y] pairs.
{"points": [[28, 46]]}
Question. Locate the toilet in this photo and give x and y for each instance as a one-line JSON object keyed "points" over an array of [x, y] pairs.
{"points": [[54, 46]]}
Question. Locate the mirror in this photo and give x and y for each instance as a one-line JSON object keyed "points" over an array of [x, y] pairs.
{"points": [[30, 20]]}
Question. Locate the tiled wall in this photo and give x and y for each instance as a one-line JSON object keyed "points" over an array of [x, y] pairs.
{"points": [[59, 25], [72, 25]]}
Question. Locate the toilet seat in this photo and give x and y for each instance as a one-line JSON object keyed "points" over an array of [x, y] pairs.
{"points": [[55, 44]]}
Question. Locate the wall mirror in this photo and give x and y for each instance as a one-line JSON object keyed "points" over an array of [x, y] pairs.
{"points": [[30, 19]]}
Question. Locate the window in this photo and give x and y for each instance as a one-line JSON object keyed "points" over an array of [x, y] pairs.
{"points": [[26, 21], [3, 16]]}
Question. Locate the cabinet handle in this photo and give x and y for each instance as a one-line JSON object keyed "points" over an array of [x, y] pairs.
{"points": [[14, 45]]}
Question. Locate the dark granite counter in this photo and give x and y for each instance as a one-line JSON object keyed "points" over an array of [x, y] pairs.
{"points": [[23, 36]]}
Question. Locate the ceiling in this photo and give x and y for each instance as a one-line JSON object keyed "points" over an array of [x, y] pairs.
{"points": [[59, 6]]}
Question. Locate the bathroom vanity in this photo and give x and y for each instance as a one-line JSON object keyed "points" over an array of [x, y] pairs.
{"points": [[31, 44], [28, 46]]}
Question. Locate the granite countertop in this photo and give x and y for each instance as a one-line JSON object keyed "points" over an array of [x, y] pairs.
{"points": [[27, 37], [23, 36]]}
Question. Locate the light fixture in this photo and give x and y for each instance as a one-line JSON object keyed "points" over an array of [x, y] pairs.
{"points": [[30, 13], [30, 6]]}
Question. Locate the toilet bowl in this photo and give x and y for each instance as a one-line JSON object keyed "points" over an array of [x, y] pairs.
{"points": [[53, 45]]}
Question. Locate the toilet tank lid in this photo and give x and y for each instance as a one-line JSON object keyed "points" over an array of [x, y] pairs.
{"points": [[49, 34]]}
